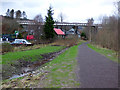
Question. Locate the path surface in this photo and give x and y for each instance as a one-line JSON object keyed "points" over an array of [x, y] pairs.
{"points": [[95, 70]]}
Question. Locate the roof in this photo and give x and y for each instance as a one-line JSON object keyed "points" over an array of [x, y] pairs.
{"points": [[59, 31]]}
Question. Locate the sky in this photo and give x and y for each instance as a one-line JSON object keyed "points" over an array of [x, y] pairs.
{"points": [[72, 10]]}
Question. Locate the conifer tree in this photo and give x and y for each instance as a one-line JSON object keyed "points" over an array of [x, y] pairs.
{"points": [[49, 33], [12, 13], [24, 15], [8, 13]]}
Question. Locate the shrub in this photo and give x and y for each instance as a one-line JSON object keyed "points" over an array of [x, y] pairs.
{"points": [[66, 42], [6, 47], [83, 34], [107, 36], [20, 36]]}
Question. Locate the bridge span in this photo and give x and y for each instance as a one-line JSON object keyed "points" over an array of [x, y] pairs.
{"points": [[32, 22]]}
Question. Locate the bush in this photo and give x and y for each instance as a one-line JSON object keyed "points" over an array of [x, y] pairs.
{"points": [[6, 47], [83, 34], [66, 42], [20, 36]]}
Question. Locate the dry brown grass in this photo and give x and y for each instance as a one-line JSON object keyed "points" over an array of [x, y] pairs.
{"points": [[24, 48], [66, 42]]}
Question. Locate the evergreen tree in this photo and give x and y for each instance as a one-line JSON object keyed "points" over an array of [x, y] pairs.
{"points": [[49, 33], [12, 13], [83, 34], [8, 13], [24, 15]]}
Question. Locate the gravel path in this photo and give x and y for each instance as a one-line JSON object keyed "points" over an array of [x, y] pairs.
{"points": [[95, 70]]}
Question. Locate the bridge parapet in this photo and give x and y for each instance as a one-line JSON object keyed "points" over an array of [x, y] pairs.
{"points": [[71, 24]]}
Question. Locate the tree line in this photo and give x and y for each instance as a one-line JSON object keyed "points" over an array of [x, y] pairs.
{"points": [[16, 14], [107, 36], [9, 22]]}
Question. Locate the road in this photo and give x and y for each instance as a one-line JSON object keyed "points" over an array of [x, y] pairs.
{"points": [[95, 70]]}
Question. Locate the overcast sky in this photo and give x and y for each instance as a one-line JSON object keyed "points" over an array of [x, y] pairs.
{"points": [[73, 10]]}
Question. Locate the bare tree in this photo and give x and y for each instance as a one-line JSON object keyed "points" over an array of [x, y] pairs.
{"points": [[88, 30], [90, 21], [37, 28], [38, 18], [61, 16], [18, 14], [107, 36], [9, 25]]}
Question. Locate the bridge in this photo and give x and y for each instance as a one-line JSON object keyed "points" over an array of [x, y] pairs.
{"points": [[32, 22], [63, 25], [70, 24]]}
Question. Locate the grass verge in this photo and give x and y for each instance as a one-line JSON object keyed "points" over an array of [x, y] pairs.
{"points": [[59, 73], [62, 69], [12, 56], [106, 52]]}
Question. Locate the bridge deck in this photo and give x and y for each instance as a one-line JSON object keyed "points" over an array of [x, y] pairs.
{"points": [[31, 22]]}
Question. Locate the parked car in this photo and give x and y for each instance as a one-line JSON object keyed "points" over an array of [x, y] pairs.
{"points": [[7, 38], [21, 42]]}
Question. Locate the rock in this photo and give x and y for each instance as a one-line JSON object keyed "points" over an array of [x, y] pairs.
{"points": [[30, 75]]}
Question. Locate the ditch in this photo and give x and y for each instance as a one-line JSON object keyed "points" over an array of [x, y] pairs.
{"points": [[21, 67]]}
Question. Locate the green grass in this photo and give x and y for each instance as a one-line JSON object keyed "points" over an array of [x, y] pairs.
{"points": [[106, 52], [62, 70], [33, 54], [61, 73]]}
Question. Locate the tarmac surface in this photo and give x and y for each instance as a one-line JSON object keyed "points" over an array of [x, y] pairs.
{"points": [[95, 70]]}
